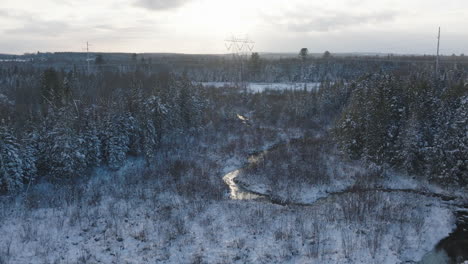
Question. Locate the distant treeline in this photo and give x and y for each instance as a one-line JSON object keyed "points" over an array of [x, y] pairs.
{"points": [[255, 67]]}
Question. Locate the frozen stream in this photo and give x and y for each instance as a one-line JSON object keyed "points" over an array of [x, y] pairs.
{"points": [[260, 87], [452, 249]]}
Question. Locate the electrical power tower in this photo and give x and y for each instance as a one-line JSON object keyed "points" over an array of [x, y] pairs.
{"points": [[239, 47]]}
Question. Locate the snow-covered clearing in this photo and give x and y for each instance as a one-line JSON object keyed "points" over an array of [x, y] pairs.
{"points": [[169, 228], [260, 87], [147, 215]]}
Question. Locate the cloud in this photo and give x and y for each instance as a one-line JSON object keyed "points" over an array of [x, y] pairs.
{"points": [[41, 28], [159, 5], [27, 23], [328, 21], [3, 13]]}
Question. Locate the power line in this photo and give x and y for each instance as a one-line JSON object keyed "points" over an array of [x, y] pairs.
{"points": [[239, 47]]}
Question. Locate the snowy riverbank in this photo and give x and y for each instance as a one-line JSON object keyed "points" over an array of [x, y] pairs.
{"points": [[260, 87]]}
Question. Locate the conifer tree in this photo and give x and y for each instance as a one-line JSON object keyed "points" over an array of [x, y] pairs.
{"points": [[11, 164]]}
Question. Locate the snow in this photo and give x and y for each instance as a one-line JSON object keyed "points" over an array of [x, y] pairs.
{"points": [[260, 87], [228, 231], [342, 178], [122, 219]]}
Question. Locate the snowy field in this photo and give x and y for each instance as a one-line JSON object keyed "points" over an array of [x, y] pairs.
{"points": [[260, 87], [144, 215], [164, 227]]}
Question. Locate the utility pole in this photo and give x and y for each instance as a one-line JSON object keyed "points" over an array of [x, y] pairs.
{"points": [[88, 59], [438, 59]]}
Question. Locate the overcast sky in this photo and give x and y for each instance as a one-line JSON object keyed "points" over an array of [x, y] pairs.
{"points": [[201, 26]]}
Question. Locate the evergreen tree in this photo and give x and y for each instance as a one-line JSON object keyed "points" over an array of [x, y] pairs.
{"points": [[409, 155], [90, 143], [116, 140], [11, 164], [52, 91], [255, 65], [29, 157], [61, 156], [185, 104]]}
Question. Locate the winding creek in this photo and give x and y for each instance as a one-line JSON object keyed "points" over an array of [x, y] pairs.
{"points": [[452, 249]]}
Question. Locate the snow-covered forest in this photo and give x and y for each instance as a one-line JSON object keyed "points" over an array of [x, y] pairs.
{"points": [[138, 160]]}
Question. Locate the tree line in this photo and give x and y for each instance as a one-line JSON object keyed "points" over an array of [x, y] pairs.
{"points": [[418, 124], [57, 125]]}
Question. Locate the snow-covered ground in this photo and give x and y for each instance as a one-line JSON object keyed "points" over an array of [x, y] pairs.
{"points": [[260, 87], [140, 215], [342, 175], [331, 175], [169, 228]]}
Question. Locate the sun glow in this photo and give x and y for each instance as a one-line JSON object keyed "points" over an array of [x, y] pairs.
{"points": [[200, 26]]}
